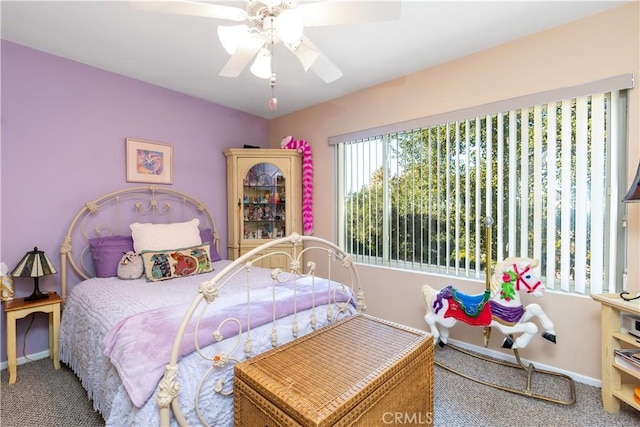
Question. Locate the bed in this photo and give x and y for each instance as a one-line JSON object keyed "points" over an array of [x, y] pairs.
{"points": [[160, 349]]}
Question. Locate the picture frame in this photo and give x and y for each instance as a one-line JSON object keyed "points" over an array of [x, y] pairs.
{"points": [[148, 161]]}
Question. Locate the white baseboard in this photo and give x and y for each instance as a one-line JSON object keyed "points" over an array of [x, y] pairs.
{"points": [[22, 360], [509, 358]]}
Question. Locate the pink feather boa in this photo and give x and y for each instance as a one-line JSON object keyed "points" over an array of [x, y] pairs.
{"points": [[303, 147]]}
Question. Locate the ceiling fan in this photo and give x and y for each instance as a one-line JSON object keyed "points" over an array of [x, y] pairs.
{"points": [[272, 21]]}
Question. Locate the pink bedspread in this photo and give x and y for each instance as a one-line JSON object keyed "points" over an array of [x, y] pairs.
{"points": [[140, 345]]}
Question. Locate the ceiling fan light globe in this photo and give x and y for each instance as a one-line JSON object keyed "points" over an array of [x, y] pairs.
{"points": [[232, 36], [261, 67], [289, 26]]}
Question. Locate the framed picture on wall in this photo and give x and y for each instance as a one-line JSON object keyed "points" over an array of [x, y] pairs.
{"points": [[150, 162]]}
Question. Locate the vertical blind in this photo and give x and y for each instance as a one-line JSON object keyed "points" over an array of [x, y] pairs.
{"points": [[547, 174]]}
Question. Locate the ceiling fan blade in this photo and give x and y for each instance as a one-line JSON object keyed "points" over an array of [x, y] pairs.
{"points": [[306, 52], [243, 55], [348, 12], [194, 8], [311, 57], [325, 69]]}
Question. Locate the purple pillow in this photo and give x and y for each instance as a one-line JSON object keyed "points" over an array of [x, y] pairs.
{"points": [[107, 252], [207, 237]]}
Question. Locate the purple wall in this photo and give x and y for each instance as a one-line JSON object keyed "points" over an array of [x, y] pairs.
{"points": [[63, 130]]}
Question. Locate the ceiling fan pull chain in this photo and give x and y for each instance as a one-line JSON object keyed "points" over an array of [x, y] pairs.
{"points": [[273, 103]]}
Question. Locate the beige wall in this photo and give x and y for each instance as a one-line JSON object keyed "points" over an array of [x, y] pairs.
{"points": [[600, 46]]}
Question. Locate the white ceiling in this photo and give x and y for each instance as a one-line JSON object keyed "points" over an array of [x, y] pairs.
{"points": [[183, 53]]}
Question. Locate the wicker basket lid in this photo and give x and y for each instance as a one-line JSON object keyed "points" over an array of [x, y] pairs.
{"points": [[325, 374]]}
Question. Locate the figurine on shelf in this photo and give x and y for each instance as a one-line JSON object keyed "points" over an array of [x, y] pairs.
{"points": [[276, 198], [266, 213], [257, 214], [266, 232]]}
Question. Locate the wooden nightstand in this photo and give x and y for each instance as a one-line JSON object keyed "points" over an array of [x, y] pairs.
{"points": [[19, 308]]}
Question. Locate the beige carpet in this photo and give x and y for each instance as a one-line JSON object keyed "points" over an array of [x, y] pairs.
{"points": [[46, 397], [461, 402]]}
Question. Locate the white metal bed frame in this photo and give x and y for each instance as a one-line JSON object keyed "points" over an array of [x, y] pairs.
{"points": [[159, 204], [208, 292], [134, 204]]}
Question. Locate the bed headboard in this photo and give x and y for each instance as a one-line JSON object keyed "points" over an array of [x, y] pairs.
{"points": [[111, 214]]}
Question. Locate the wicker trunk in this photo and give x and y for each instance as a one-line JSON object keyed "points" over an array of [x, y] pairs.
{"points": [[360, 371]]}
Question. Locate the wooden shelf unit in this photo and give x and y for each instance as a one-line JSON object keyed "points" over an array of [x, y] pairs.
{"points": [[618, 382]]}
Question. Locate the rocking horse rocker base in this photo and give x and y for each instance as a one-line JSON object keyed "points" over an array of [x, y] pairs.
{"points": [[530, 369]]}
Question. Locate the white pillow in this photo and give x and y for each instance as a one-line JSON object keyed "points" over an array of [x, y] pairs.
{"points": [[158, 237]]}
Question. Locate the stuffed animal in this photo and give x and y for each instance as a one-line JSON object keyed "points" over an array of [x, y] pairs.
{"points": [[303, 147], [130, 266]]}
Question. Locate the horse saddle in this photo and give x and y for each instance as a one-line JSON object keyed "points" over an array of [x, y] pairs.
{"points": [[471, 305]]}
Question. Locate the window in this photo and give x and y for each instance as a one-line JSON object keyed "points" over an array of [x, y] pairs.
{"points": [[416, 195]]}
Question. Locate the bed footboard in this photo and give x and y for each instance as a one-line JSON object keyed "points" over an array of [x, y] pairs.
{"points": [[320, 286]]}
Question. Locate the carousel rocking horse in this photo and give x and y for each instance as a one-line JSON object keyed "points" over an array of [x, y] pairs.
{"points": [[498, 306]]}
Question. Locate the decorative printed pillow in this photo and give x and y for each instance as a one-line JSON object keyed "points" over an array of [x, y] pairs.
{"points": [[159, 237], [169, 264], [130, 266]]}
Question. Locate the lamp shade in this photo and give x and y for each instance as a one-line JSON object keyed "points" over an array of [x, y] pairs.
{"points": [[289, 26], [233, 36], [633, 195], [261, 67], [34, 264]]}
